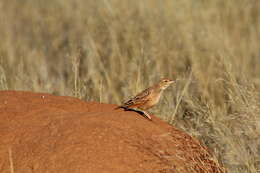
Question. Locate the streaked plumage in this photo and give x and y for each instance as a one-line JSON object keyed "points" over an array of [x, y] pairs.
{"points": [[148, 97]]}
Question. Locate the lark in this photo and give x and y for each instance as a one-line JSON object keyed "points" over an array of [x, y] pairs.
{"points": [[147, 98]]}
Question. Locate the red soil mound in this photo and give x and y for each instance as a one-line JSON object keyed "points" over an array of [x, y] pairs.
{"points": [[46, 133]]}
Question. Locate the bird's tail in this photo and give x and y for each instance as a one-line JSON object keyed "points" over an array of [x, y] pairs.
{"points": [[118, 107]]}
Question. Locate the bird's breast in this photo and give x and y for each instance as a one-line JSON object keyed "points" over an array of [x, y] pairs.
{"points": [[153, 100]]}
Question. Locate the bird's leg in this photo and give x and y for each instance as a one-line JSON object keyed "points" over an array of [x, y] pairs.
{"points": [[138, 111], [146, 114]]}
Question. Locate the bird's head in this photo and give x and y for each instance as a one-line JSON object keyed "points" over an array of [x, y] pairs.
{"points": [[164, 83]]}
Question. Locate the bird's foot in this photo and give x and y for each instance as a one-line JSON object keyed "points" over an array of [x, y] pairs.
{"points": [[147, 115]]}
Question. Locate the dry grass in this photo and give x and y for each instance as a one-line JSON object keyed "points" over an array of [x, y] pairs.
{"points": [[109, 49]]}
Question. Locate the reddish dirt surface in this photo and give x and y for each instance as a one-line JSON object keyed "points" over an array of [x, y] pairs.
{"points": [[45, 133]]}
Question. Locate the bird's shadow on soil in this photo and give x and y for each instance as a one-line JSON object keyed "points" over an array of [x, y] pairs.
{"points": [[134, 110]]}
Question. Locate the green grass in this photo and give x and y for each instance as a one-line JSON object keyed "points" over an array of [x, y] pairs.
{"points": [[108, 50]]}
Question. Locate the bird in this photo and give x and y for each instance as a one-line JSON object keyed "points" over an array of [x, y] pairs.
{"points": [[147, 98]]}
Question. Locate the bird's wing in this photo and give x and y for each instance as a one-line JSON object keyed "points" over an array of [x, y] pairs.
{"points": [[140, 98]]}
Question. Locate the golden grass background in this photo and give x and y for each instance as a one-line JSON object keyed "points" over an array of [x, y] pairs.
{"points": [[107, 50]]}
